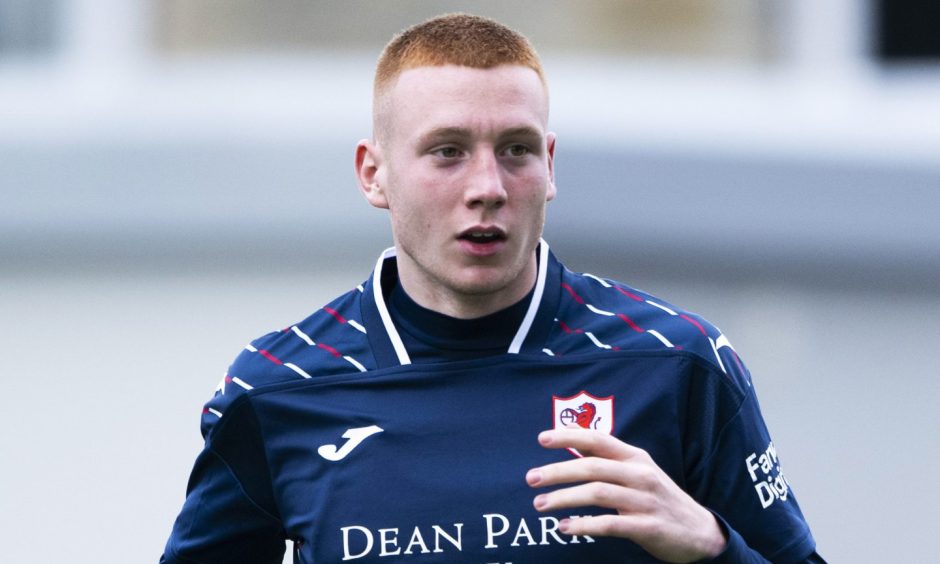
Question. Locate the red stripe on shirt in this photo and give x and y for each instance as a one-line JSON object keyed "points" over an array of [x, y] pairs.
{"points": [[567, 329], [335, 314], [630, 322], [330, 349], [629, 294], [576, 297], [694, 322], [270, 356]]}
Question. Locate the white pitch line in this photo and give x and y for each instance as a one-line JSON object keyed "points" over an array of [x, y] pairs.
{"points": [[296, 369], [662, 339], [662, 307], [302, 335]]}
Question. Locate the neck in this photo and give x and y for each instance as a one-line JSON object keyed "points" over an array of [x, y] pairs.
{"points": [[453, 302]]}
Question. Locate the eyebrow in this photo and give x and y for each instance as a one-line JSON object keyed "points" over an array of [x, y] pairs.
{"points": [[523, 131], [441, 133]]}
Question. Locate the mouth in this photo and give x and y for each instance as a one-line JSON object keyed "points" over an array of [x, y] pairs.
{"points": [[482, 235]]}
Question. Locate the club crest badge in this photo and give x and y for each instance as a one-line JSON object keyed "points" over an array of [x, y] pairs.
{"points": [[584, 410]]}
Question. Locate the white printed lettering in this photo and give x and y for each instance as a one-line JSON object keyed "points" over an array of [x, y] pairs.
{"points": [[439, 532], [765, 465], [781, 487], [550, 527], [765, 493], [389, 541], [347, 554], [416, 539], [491, 533], [751, 466], [522, 530], [772, 451], [360, 541], [770, 485]]}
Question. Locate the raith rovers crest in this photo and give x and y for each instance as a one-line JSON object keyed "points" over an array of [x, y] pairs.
{"points": [[584, 410]]}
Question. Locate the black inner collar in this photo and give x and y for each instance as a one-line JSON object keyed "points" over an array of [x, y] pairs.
{"points": [[429, 335]]}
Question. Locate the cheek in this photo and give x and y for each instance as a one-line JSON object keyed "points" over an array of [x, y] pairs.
{"points": [[424, 196], [535, 187], [411, 216], [532, 200]]}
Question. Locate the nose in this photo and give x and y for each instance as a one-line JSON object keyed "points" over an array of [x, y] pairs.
{"points": [[485, 182]]}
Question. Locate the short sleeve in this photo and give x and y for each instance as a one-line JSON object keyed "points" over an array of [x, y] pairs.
{"points": [[737, 472], [229, 513]]}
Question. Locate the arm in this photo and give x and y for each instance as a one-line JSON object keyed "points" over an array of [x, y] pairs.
{"points": [[737, 551], [219, 523], [229, 514]]}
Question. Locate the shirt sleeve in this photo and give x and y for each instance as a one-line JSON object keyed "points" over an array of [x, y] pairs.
{"points": [[229, 514], [738, 552], [735, 471]]}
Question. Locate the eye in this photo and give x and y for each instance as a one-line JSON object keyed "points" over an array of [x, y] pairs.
{"points": [[517, 150], [448, 152]]}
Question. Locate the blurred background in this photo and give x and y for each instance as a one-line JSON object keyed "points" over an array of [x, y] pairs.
{"points": [[176, 179]]}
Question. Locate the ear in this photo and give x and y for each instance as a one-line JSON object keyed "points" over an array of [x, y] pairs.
{"points": [[370, 173], [550, 152]]}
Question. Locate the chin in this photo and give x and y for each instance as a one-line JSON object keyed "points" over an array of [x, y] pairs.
{"points": [[482, 285], [487, 279]]}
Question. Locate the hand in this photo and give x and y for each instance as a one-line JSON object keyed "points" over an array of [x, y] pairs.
{"points": [[652, 510]]}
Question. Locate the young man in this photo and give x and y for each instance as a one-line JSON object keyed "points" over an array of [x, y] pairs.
{"points": [[474, 401]]}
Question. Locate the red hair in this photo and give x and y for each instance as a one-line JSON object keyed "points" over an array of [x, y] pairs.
{"points": [[455, 39]]}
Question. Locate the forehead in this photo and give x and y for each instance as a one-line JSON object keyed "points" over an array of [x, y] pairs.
{"points": [[425, 98]]}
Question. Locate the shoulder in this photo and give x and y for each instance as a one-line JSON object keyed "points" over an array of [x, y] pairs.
{"points": [[330, 341], [596, 312]]}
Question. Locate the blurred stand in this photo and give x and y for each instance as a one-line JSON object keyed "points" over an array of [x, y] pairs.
{"points": [[176, 178], [767, 138]]}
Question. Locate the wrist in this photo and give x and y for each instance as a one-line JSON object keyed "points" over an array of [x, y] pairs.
{"points": [[716, 537]]}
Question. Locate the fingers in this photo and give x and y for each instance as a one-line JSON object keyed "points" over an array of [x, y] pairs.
{"points": [[596, 494], [650, 508], [589, 443], [614, 475], [603, 526], [590, 469], [606, 459], [626, 487]]}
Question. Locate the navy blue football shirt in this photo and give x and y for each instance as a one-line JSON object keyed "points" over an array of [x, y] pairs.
{"points": [[330, 434]]}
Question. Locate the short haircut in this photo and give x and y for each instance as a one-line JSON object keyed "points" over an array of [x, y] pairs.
{"points": [[450, 39], [455, 39]]}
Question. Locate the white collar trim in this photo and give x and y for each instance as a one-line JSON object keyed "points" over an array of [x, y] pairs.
{"points": [[514, 347]]}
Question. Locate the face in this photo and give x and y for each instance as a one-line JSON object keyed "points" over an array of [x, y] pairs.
{"points": [[464, 164]]}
